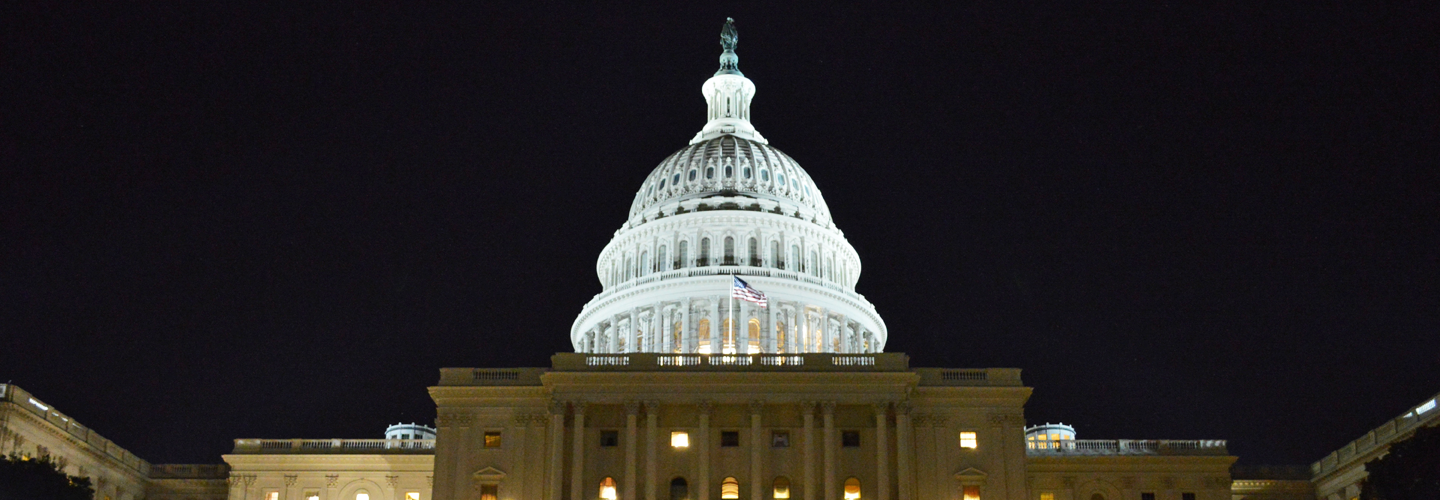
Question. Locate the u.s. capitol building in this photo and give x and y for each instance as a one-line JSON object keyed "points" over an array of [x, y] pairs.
{"points": [[677, 390]]}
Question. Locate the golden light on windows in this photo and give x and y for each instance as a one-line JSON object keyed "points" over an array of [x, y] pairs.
{"points": [[607, 488], [972, 493], [1047, 496], [679, 439], [362, 495], [492, 439], [415, 495], [782, 488], [729, 489], [312, 495], [852, 489], [968, 440], [272, 495], [489, 492]]}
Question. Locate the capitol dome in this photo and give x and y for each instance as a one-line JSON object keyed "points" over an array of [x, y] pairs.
{"points": [[728, 206]]}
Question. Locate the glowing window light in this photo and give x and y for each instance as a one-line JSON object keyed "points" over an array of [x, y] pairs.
{"points": [[679, 439], [782, 488], [362, 496], [273, 495], [312, 495], [415, 495], [38, 405], [729, 489], [852, 489], [1047, 496], [607, 488], [968, 440], [972, 493], [1429, 405]]}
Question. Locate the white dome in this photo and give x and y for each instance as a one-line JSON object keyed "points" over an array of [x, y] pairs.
{"points": [[728, 205]]}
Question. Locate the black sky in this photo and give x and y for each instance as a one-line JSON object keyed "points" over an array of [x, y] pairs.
{"points": [[221, 220]]}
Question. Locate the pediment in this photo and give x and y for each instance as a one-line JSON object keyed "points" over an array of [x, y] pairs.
{"points": [[971, 475], [488, 474]]}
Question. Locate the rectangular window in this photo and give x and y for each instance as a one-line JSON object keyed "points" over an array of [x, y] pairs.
{"points": [[489, 491], [972, 493], [1147, 496], [850, 439], [1187, 496], [729, 439], [780, 439], [412, 495], [272, 495], [968, 440], [609, 438], [492, 439], [679, 439], [312, 494], [1047, 496]]}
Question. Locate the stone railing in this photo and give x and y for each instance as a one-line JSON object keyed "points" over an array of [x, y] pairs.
{"points": [[1379, 437], [18, 397], [875, 362], [1113, 447], [333, 446]]}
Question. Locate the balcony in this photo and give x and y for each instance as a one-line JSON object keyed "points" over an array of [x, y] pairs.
{"points": [[1130, 447], [334, 446]]}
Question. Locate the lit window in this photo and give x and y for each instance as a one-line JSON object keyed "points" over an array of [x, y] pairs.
{"points": [[780, 439], [492, 439], [607, 488], [489, 491], [415, 495], [609, 438], [679, 439], [272, 495], [972, 493], [729, 439], [1047, 496], [1054, 437], [852, 489], [312, 495], [729, 489], [850, 439], [782, 488], [1429, 405], [968, 440], [362, 495]]}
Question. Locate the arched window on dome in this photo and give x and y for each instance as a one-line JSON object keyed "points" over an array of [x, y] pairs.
{"points": [[661, 264], [704, 253], [830, 268], [729, 251], [780, 336], [703, 334], [692, 175], [644, 263], [684, 255], [852, 489], [729, 171], [675, 181], [746, 173], [676, 342], [662, 183], [780, 177], [764, 175], [753, 252], [775, 261], [709, 172], [814, 264], [629, 268], [753, 331], [795, 257]]}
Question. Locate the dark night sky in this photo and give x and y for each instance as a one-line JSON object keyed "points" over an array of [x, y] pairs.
{"points": [[221, 221]]}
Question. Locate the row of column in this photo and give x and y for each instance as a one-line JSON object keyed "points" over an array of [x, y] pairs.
{"points": [[652, 330], [702, 443]]}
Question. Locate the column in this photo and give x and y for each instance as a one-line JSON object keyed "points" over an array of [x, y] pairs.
{"points": [[807, 411], [702, 449], [685, 344], [715, 324], [827, 410], [632, 409], [655, 334], [767, 327], [903, 450], [557, 449], [652, 440], [882, 451], [756, 444], [742, 327], [517, 438], [614, 334], [577, 454]]}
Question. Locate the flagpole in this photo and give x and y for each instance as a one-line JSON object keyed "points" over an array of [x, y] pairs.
{"points": [[731, 333]]}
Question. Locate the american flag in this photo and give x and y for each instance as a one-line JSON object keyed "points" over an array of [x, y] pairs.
{"points": [[742, 291]]}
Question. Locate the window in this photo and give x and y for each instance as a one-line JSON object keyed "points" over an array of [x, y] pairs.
{"points": [[1097, 496], [729, 489], [492, 439], [312, 495], [852, 489], [747, 172], [679, 439], [1047, 496], [679, 489], [704, 251], [362, 495], [765, 175], [676, 180], [1147, 496], [729, 172], [607, 488], [782, 488], [850, 439], [780, 439], [781, 178], [709, 172], [729, 251], [412, 495], [684, 254], [1187, 496], [972, 493], [968, 440], [662, 183], [729, 439], [272, 495], [609, 438], [692, 175]]}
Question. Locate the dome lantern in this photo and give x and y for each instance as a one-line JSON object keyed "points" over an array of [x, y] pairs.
{"points": [[728, 95]]}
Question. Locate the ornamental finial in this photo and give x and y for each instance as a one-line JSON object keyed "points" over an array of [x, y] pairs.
{"points": [[729, 62]]}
